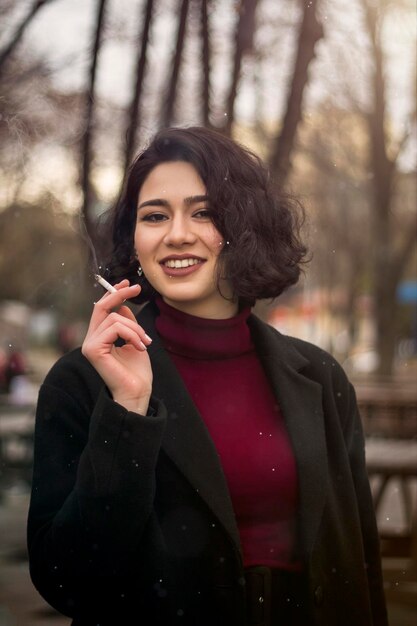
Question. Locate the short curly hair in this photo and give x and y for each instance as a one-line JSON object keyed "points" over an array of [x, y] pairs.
{"points": [[260, 223]]}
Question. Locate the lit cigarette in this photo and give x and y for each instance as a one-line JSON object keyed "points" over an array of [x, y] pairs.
{"points": [[103, 282]]}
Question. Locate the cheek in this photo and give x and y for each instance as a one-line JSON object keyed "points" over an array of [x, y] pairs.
{"points": [[142, 243], [214, 240]]}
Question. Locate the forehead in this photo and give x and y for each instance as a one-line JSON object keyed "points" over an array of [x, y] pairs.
{"points": [[177, 178]]}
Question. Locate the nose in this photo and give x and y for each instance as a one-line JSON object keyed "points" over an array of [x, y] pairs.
{"points": [[179, 232]]}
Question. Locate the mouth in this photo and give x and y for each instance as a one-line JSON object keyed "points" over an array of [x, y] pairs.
{"points": [[181, 265], [177, 263]]}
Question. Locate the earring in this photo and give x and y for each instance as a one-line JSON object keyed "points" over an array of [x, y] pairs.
{"points": [[140, 271]]}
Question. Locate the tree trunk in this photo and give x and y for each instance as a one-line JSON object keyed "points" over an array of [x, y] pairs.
{"points": [[388, 262], [86, 143], [205, 61], [386, 315], [168, 110], [311, 31], [4, 55], [245, 30], [134, 113]]}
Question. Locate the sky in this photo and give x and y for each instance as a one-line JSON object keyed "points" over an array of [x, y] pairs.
{"points": [[63, 29], [62, 33]]}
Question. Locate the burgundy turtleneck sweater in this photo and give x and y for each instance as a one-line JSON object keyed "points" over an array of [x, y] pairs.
{"points": [[219, 366]]}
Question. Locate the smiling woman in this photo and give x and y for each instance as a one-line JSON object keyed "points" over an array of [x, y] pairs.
{"points": [[192, 465], [258, 224], [177, 244]]}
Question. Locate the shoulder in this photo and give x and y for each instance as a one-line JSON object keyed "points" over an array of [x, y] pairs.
{"points": [[307, 358], [315, 355], [322, 366]]}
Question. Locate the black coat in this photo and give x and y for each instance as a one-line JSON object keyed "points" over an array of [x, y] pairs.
{"points": [[131, 521]]}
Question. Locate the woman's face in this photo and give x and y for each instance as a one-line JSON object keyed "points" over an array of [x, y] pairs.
{"points": [[177, 243]]}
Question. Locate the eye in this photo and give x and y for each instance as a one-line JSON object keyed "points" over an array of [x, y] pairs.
{"points": [[153, 217], [203, 214]]}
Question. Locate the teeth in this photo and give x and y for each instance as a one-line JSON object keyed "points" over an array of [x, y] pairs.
{"points": [[176, 263]]}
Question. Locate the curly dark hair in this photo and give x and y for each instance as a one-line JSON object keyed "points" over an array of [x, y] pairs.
{"points": [[260, 223]]}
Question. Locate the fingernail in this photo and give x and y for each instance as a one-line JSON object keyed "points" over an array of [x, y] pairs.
{"points": [[148, 338], [142, 345]]}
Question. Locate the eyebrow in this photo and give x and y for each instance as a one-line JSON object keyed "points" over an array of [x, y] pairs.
{"points": [[161, 202]]}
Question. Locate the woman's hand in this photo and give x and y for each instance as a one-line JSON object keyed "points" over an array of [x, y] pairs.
{"points": [[126, 370]]}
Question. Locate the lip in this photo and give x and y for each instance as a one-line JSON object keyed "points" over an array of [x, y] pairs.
{"points": [[180, 257], [181, 271]]}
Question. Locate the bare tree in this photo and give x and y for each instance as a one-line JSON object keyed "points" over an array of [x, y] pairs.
{"points": [[311, 31], [134, 111], [245, 29], [86, 143], [389, 257], [168, 109], [7, 51], [205, 59], [340, 217]]}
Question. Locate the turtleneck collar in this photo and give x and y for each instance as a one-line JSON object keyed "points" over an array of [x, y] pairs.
{"points": [[201, 338]]}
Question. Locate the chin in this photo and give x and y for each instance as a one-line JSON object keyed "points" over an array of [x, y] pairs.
{"points": [[183, 292], [184, 298]]}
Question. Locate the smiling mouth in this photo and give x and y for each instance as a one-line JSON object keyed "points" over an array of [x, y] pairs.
{"points": [[181, 263]]}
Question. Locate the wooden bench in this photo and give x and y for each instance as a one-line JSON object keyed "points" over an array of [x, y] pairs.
{"points": [[388, 409], [392, 468]]}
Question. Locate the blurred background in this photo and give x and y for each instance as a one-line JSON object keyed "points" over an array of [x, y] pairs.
{"points": [[325, 92]]}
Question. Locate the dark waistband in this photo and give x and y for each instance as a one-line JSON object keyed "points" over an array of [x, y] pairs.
{"points": [[275, 597]]}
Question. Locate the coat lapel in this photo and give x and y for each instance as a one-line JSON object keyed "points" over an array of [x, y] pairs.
{"points": [[189, 445], [300, 401], [186, 440]]}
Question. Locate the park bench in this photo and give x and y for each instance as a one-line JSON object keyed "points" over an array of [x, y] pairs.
{"points": [[389, 415], [388, 409], [392, 469]]}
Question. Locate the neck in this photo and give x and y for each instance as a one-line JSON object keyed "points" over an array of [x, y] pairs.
{"points": [[226, 310], [201, 337]]}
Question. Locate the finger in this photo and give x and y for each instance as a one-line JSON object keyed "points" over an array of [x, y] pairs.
{"points": [[125, 312], [107, 303], [117, 317], [116, 299], [121, 331], [117, 286], [128, 314], [104, 341], [123, 283]]}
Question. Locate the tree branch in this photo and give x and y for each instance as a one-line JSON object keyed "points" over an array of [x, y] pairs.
{"points": [[381, 163], [205, 59], [86, 143], [4, 55], [245, 30], [168, 110], [311, 31], [134, 113]]}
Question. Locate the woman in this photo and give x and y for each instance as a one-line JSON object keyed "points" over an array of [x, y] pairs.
{"points": [[204, 470]]}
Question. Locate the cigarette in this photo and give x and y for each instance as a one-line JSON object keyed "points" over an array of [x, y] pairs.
{"points": [[103, 282]]}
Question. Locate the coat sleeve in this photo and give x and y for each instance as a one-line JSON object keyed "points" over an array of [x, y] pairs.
{"points": [[356, 448], [93, 486]]}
